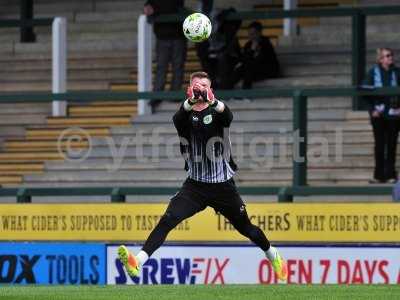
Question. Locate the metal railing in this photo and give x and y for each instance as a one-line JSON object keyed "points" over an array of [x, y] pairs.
{"points": [[286, 194], [119, 194], [116, 194]]}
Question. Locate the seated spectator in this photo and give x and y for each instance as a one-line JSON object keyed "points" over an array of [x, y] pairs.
{"points": [[170, 44], [384, 115], [259, 59], [219, 55]]}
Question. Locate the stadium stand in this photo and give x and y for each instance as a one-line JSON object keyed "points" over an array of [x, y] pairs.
{"points": [[79, 194], [102, 55]]}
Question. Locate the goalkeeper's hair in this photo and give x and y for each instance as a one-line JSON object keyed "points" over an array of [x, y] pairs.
{"points": [[200, 75]]}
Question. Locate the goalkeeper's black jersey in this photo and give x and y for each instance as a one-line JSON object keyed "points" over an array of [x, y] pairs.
{"points": [[205, 143]]}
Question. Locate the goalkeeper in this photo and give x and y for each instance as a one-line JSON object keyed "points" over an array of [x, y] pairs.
{"points": [[202, 123]]}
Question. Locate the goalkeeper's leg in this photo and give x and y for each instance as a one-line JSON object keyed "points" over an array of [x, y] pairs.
{"points": [[239, 219], [180, 208]]}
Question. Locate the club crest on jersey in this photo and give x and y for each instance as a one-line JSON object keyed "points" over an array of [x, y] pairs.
{"points": [[207, 119]]}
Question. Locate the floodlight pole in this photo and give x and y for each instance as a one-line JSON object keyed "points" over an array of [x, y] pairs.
{"points": [[59, 61]]}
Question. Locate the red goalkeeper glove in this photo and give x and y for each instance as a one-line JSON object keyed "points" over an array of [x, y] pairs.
{"points": [[209, 96], [190, 94]]}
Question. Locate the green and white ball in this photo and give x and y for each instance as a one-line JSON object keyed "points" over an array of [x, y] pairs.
{"points": [[197, 27]]}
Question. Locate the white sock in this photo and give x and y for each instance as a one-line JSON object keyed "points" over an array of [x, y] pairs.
{"points": [[271, 253], [142, 257]]}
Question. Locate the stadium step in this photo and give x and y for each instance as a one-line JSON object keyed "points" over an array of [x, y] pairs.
{"points": [[254, 116], [178, 183], [105, 16], [21, 168], [299, 81], [40, 86], [261, 127], [28, 119], [30, 156], [101, 164], [75, 64], [10, 179], [43, 145], [105, 74], [311, 21], [250, 176], [260, 150], [317, 103], [240, 140], [306, 4], [186, 78], [104, 110], [100, 104], [359, 117], [267, 31], [288, 69], [45, 133], [82, 121]]}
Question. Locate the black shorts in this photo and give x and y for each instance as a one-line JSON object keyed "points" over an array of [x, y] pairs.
{"points": [[195, 196]]}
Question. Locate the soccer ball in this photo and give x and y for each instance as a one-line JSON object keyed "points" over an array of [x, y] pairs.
{"points": [[197, 27]]}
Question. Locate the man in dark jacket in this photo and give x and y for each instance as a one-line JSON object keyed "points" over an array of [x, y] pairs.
{"points": [[170, 44], [221, 52], [259, 59]]}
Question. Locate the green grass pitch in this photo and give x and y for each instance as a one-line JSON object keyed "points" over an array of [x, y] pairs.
{"points": [[200, 292]]}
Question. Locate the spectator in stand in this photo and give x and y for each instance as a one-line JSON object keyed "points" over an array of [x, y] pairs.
{"points": [[206, 6], [170, 44], [221, 52], [259, 59], [384, 114]]}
